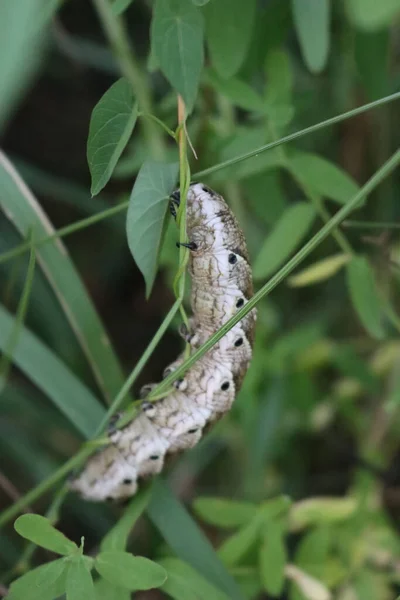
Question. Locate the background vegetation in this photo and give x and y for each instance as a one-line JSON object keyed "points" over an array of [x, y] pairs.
{"points": [[296, 493]]}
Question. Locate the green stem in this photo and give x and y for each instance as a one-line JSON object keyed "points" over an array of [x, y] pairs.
{"points": [[64, 231], [312, 196], [45, 485], [322, 234], [298, 134], [324, 214], [121, 46], [139, 366], [159, 122], [371, 225], [5, 362]]}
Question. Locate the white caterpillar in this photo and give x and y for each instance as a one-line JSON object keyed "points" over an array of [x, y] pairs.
{"points": [[221, 284]]}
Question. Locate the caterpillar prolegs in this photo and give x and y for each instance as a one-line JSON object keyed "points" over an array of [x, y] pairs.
{"points": [[221, 284]]}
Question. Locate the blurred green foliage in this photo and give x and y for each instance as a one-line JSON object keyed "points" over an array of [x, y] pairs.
{"points": [[296, 493]]}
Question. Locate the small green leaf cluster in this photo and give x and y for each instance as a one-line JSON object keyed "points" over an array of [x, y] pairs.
{"points": [[120, 572]]}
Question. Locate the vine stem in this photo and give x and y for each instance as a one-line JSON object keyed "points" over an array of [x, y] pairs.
{"points": [[293, 136], [184, 182], [323, 233], [114, 29], [64, 231]]}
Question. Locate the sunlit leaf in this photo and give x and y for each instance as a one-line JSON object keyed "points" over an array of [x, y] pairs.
{"points": [[146, 215], [321, 511], [311, 20], [311, 588], [40, 531], [130, 572], [177, 44], [229, 27], [319, 271], [284, 238], [112, 122], [364, 296]]}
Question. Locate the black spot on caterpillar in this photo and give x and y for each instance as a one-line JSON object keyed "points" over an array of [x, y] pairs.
{"points": [[221, 284]]}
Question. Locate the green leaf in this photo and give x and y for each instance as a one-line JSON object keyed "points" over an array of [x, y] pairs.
{"points": [[200, 2], [120, 6], [177, 44], [279, 88], [107, 591], [43, 583], [238, 92], [79, 584], [146, 215], [130, 572], [322, 176], [111, 124], [364, 296], [370, 15], [319, 271], [40, 531], [239, 544], [372, 54], [224, 512], [184, 583], [50, 374], [311, 21], [243, 140], [312, 553], [229, 27], [22, 42], [117, 537], [284, 238], [321, 511], [273, 559], [21, 207], [189, 543]]}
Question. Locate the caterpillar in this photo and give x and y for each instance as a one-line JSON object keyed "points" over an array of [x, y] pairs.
{"points": [[221, 284]]}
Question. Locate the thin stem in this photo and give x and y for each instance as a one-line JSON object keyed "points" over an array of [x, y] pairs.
{"points": [[64, 231], [324, 214], [293, 136], [312, 196], [121, 46], [159, 122], [45, 485], [5, 362], [322, 234], [184, 182], [139, 366], [371, 224]]}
